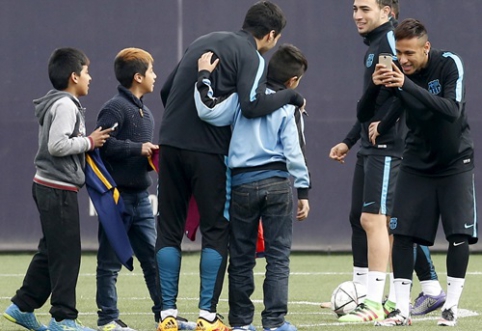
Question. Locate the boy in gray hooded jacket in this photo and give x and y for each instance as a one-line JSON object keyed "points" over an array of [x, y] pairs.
{"points": [[59, 162]]}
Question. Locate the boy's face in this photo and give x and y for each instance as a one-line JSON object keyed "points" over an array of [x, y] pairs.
{"points": [[83, 81], [148, 80]]}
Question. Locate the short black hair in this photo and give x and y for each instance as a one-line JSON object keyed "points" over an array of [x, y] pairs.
{"points": [[384, 3], [263, 17], [62, 63], [287, 62], [410, 28]]}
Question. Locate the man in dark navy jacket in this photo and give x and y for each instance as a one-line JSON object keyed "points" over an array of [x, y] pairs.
{"points": [[193, 153]]}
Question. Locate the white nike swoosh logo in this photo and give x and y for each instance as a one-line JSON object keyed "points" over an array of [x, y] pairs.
{"points": [[467, 226], [458, 244]]}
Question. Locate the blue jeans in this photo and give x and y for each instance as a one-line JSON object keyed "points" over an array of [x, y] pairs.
{"points": [[142, 235], [271, 200]]}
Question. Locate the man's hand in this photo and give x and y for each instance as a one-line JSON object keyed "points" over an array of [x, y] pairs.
{"points": [[303, 209], [204, 62], [373, 132], [389, 78], [339, 152], [99, 136], [148, 148]]}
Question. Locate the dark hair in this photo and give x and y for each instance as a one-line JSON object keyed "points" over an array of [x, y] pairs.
{"points": [[410, 28], [384, 3], [395, 8], [263, 17], [62, 63], [129, 62], [288, 61]]}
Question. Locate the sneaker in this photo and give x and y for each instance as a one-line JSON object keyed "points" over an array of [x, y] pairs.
{"points": [[365, 312], [217, 325], [249, 327], [116, 325], [286, 326], [184, 325], [25, 319], [425, 303], [168, 324], [448, 318], [388, 307], [395, 318], [67, 325]]}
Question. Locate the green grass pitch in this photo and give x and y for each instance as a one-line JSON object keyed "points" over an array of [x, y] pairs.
{"points": [[313, 278]]}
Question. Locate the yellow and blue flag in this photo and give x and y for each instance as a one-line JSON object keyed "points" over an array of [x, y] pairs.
{"points": [[109, 206]]}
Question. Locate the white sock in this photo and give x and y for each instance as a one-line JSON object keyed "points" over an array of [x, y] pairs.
{"points": [[454, 291], [360, 275], [402, 291], [168, 312], [431, 287], [376, 286], [207, 315], [391, 292]]}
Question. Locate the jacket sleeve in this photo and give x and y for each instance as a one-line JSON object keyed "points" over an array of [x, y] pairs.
{"points": [[114, 148], [61, 141], [300, 126], [353, 135], [388, 114], [365, 106], [295, 161], [391, 117], [218, 111], [251, 87], [450, 105]]}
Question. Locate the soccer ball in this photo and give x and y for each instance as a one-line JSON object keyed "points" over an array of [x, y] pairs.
{"points": [[347, 296]]}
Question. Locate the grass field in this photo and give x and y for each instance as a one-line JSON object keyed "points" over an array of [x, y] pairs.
{"points": [[313, 277]]}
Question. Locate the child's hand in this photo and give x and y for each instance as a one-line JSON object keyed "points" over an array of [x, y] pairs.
{"points": [[99, 136], [303, 209], [148, 149], [204, 62]]}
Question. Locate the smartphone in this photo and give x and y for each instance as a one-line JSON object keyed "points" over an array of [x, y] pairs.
{"points": [[386, 59], [113, 127]]}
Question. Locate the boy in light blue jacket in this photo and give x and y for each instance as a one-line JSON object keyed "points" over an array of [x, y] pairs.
{"points": [[263, 153]]}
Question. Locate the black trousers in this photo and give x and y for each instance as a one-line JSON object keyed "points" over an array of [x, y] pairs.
{"points": [[183, 174], [54, 269]]}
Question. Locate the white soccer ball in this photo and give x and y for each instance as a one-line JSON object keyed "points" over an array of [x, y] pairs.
{"points": [[347, 296]]}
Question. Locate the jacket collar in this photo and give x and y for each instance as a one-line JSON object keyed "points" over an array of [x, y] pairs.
{"points": [[128, 95], [377, 32]]}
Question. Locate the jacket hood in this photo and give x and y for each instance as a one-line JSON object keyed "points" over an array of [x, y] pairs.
{"points": [[43, 104]]}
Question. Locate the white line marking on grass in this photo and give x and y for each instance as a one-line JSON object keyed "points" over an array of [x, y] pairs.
{"points": [[432, 316]]}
